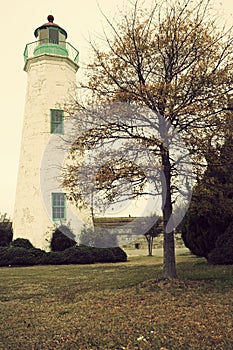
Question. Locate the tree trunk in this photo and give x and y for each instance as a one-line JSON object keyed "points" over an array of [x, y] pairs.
{"points": [[169, 262], [150, 245]]}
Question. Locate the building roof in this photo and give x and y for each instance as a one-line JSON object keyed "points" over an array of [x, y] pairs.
{"points": [[112, 221]]}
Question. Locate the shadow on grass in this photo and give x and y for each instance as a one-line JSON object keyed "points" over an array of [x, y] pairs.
{"points": [[198, 269]]}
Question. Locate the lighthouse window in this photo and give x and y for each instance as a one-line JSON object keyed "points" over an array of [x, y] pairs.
{"points": [[43, 35], [57, 121], [58, 206], [53, 36]]}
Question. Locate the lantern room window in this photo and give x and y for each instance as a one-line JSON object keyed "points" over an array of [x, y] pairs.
{"points": [[53, 36]]}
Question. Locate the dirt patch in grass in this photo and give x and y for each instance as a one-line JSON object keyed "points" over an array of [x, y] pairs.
{"points": [[117, 306]]}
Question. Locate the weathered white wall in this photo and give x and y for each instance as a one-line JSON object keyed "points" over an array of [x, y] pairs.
{"points": [[51, 81]]}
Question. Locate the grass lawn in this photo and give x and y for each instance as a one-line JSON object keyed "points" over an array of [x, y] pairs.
{"points": [[117, 306]]}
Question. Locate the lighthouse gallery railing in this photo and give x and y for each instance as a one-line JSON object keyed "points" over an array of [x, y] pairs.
{"points": [[62, 48]]}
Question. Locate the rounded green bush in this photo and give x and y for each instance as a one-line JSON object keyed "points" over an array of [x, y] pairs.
{"points": [[52, 258], [222, 254], [6, 232], [17, 256], [21, 243], [119, 254], [103, 255], [78, 255], [62, 239], [4, 259]]}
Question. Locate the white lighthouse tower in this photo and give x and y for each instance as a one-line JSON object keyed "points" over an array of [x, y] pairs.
{"points": [[51, 64]]}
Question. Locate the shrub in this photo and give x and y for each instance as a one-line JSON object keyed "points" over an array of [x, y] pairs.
{"points": [[211, 208], [52, 258], [22, 243], [4, 259], [17, 256], [103, 255], [21, 256], [62, 239], [119, 254], [6, 232], [78, 255], [222, 254], [37, 255]]}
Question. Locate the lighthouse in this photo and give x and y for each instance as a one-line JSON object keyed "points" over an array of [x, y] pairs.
{"points": [[51, 64]]}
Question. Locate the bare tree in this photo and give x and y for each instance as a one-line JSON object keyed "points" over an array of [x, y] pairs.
{"points": [[174, 61], [153, 232]]}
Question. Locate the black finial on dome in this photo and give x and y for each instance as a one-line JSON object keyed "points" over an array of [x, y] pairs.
{"points": [[50, 18]]}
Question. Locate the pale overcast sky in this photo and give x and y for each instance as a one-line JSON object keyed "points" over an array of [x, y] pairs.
{"points": [[18, 20]]}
